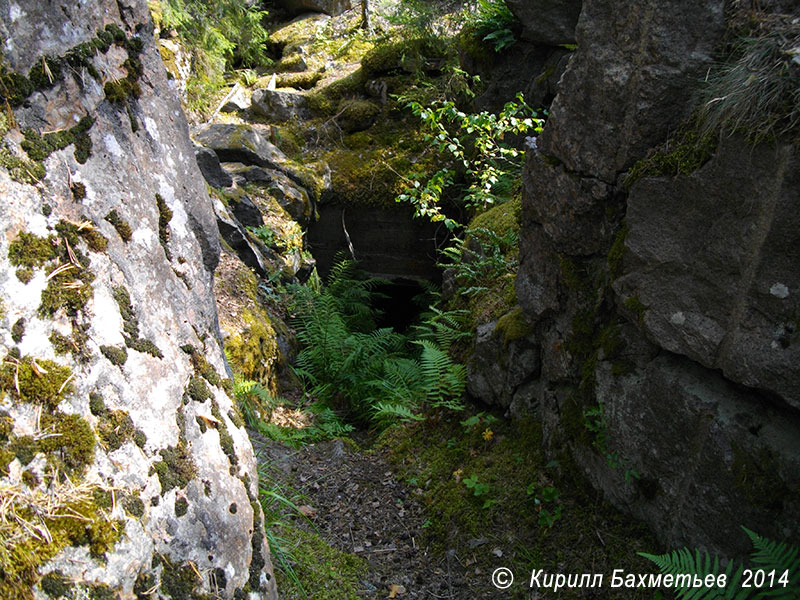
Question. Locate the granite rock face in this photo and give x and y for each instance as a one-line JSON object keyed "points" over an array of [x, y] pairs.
{"points": [[119, 349], [664, 310], [627, 84], [713, 257]]}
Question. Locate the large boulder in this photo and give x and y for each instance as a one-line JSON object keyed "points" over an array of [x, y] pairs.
{"points": [[113, 398], [712, 258], [709, 455], [627, 84], [666, 316], [280, 105], [240, 143]]}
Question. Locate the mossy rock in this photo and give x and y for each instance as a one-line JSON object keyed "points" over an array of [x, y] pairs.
{"points": [[513, 325], [500, 219], [37, 381], [407, 55], [253, 352], [301, 81], [357, 115]]}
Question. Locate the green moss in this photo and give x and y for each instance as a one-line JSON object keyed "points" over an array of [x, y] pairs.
{"points": [[116, 354], [225, 439], [97, 405], [73, 449], [40, 381], [500, 219], [80, 523], [324, 572], [253, 350], [30, 479], [47, 210], [635, 305], [139, 438], [122, 226], [21, 170], [356, 115], [30, 250], [144, 583], [684, 153], [617, 252], [103, 498], [197, 389], [24, 274], [101, 591], [513, 326], [6, 456], [14, 87], [304, 80], [78, 191], [18, 330], [202, 366], [176, 467], [133, 505], [178, 581], [611, 342], [6, 425], [181, 507], [24, 448], [56, 585], [164, 217], [119, 90], [40, 147], [94, 239], [115, 428], [67, 291], [144, 346], [130, 324], [408, 55]]}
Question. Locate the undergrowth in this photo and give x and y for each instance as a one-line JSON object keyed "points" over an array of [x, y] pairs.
{"points": [[376, 374]]}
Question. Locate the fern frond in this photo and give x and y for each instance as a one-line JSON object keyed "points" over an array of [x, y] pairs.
{"points": [[385, 412]]}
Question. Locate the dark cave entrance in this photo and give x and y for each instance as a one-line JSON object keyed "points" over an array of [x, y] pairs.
{"points": [[400, 302]]}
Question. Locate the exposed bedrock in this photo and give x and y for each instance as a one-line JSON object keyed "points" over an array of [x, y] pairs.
{"points": [[666, 315], [113, 374]]}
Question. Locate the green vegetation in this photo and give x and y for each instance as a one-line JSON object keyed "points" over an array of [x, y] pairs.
{"points": [[756, 89], [219, 35], [122, 226], [490, 165], [378, 374], [492, 22], [777, 574], [483, 474]]}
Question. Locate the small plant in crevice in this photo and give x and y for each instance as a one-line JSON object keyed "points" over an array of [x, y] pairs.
{"points": [[595, 422], [545, 499]]}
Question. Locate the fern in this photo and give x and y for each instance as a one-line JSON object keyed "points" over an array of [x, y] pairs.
{"points": [[773, 556], [386, 412], [444, 379]]}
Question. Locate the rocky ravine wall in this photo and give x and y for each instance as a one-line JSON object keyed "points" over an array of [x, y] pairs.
{"points": [[663, 320], [113, 379]]}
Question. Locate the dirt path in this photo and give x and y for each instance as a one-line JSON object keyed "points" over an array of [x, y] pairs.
{"points": [[357, 505]]}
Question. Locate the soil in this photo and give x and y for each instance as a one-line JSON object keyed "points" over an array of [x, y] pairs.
{"points": [[357, 504]]}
